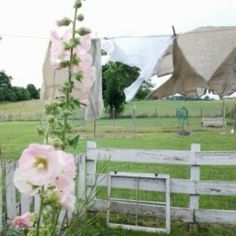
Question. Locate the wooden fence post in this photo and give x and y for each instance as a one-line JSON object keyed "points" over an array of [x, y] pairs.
{"points": [[90, 174], [10, 190], [24, 203], [81, 182], [195, 176], [1, 192]]}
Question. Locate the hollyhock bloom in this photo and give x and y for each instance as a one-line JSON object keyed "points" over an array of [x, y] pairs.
{"points": [[24, 221], [67, 162], [84, 45], [67, 199], [64, 182], [57, 51], [38, 165]]}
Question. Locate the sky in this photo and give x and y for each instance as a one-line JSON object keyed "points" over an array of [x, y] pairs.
{"points": [[25, 25]]}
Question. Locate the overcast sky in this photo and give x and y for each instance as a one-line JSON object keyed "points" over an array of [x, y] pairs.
{"points": [[25, 25]]}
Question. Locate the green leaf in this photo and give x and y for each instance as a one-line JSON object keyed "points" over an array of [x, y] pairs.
{"points": [[73, 141]]}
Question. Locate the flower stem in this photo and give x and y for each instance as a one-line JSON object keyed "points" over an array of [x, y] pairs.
{"points": [[47, 133], [67, 95], [40, 212]]}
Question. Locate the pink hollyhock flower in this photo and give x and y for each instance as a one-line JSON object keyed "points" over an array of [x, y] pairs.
{"points": [[67, 163], [57, 51], [85, 62], [85, 45], [24, 221], [88, 71], [67, 199], [65, 181], [38, 165]]}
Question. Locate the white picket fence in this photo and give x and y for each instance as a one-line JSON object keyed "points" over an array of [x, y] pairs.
{"points": [[14, 203], [192, 186]]}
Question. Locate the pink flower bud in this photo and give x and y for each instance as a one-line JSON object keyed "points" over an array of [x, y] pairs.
{"points": [[24, 221]]}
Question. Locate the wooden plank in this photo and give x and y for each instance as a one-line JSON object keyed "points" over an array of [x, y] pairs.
{"points": [[213, 121], [138, 228], [168, 220], [90, 173], [10, 190], [215, 158], [176, 185], [36, 203], [185, 186], [1, 193], [177, 213], [194, 176], [184, 214], [81, 180], [214, 187], [163, 156], [25, 202], [215, 216], [139, 156], [61, 218]]}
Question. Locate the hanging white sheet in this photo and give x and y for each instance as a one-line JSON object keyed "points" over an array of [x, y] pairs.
{"points": [[142, 52]]}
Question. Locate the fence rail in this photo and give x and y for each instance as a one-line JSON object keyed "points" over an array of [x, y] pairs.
{"points": [[193, 186], [88, 176]]}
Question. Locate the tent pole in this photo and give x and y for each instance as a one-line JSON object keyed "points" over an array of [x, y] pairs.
{"points": [[174, 32]]}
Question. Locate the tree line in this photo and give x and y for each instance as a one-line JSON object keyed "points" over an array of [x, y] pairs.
{"points": [[14, 93], [115, 77]]}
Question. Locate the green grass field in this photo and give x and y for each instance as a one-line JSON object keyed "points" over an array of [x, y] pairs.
{"points": [[157, 132]]}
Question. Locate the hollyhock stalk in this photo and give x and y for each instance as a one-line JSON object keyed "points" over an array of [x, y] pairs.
{"points": [[43, 169], [69, 78], [40, 211]]}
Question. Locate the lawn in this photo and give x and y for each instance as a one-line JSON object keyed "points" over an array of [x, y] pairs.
{"points": [[156, 132]]}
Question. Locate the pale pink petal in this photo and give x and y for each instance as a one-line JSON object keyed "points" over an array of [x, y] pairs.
{"points": [[63, 183], [38, 165], [22, 184], [85, 61], [85, 44], [67, 162], [23, 221], [67, 200]]}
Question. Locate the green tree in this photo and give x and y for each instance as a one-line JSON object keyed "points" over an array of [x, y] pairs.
{"points": [[21, 93], [34, 93], [6, 93], [116, 76], [144, 90]]}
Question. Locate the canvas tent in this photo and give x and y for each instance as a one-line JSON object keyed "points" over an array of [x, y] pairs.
{"points": [[143, 52], [202, 58], [52, 79]]}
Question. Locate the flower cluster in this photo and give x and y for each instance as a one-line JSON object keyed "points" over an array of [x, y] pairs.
{"points": [[42, 166]]}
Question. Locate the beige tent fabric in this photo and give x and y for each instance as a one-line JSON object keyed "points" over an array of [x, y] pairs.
{"points": [[184, 79], [207, 48], [165, 65], [53, 79], [203, 58], [223, 81]]}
